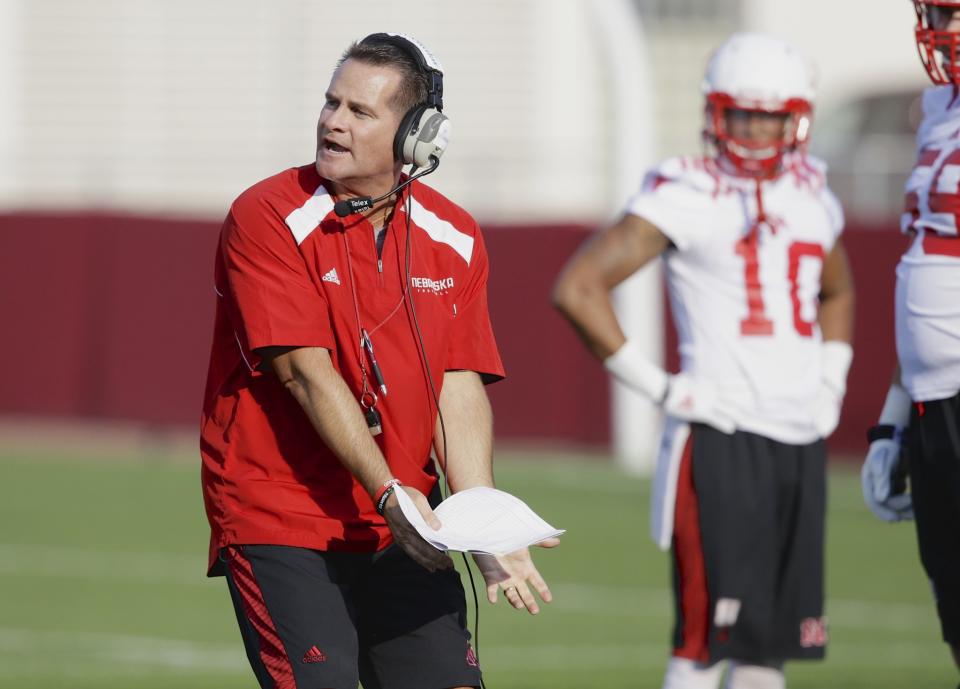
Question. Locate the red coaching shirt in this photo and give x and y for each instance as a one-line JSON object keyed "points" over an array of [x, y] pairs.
{"points": [[289, 272]]}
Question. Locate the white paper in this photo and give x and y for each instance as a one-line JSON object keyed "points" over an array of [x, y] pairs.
{"points": [[480, 520]]}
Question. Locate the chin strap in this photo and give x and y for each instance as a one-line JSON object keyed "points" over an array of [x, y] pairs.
{"points": [[761, 213], [753, 235]]}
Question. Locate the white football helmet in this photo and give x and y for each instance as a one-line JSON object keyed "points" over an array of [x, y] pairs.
{"points": [[757, 73], [938, 47]]}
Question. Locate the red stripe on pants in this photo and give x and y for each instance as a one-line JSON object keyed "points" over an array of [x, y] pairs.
{"points": [[688, 555], [272, 653]]}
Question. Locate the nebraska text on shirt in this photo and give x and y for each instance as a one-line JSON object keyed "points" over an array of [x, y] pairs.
{"points": [[441, 285]]}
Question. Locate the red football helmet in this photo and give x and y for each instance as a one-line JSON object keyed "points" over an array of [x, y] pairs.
{"points": [[759, 74], [938, 47]]}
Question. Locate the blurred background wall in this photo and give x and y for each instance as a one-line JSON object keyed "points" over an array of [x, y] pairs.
{"points": [[128, 126]]}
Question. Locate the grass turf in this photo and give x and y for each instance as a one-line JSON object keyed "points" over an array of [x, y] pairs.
{"points": [[102, 573]]}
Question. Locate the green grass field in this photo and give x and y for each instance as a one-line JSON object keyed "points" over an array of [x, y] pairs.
{"points": [[102, 580]]}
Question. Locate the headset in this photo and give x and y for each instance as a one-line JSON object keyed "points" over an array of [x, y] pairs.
{"points": [[424, 131]]}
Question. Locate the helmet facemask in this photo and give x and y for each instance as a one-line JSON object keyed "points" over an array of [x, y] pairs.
{"points": [[939, 49], [747, 156]]}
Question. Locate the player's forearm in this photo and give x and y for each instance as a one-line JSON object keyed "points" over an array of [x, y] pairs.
{"points": [[582, 292], [468, 422], [586, 304], [897, 377], [836, 316], [836, 297], [338, 420]]}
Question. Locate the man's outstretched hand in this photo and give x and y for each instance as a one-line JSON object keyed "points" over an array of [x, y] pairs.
{"points": [[514, 574]]}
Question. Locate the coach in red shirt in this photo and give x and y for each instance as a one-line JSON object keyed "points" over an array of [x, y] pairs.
{"points": [[336, 339]]}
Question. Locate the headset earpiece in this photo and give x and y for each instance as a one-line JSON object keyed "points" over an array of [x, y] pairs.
{"points": [[423, 134], [424, 131]]}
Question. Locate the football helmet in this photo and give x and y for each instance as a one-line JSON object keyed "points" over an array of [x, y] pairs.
{"points": [[937, 46], [760, 74]]}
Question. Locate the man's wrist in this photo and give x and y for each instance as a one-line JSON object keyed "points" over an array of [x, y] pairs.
{"points": [[383, 494], [629, 365], [881, 431]]}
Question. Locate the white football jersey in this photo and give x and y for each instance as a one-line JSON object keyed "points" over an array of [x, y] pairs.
{"points": [[745, 296], [928, 275]]}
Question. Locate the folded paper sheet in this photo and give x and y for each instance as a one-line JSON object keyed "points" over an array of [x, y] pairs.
{"points": [[480, 520]]}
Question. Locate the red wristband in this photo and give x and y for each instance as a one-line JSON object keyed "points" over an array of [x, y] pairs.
{"points": [[382, 495]]}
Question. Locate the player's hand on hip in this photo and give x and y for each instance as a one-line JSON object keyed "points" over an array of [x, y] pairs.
{"points": [[696, 400], [826, 409], [407, 537], [883, 480], [515, 574]]}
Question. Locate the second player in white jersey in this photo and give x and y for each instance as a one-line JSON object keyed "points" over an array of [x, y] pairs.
{"points": [[744, 284], [928, 276], [912, 469]]}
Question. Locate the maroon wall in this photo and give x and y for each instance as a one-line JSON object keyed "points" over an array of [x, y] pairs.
{"points": [[110, 317], [554, 390], [873, 259], [107, 316]]}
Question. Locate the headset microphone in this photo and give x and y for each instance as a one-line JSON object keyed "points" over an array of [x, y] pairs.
{"points": [[358, 205], [350, 206]]}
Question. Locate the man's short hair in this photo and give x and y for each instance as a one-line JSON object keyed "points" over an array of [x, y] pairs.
{"points": [[414, 86]]}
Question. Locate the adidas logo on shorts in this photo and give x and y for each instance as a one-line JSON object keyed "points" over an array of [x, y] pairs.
{"points": [[314, 655], [331, 276]]}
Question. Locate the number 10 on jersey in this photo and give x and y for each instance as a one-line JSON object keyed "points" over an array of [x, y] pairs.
{"points": [[756, 322]]}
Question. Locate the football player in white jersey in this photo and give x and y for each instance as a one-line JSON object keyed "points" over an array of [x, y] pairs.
{"points": [[762, 299], [920, 418]]}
